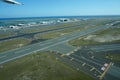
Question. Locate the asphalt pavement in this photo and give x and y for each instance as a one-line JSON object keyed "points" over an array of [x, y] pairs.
{"points": [[93, 66], [16, 53]]}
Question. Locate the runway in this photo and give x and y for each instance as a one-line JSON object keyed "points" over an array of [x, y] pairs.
{"points": [[16, 53]]}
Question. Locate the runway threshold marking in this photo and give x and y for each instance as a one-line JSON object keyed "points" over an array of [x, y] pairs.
{"points": [[83, 64], [88, 65], [69, 38], [92, 69], [103, 74]]}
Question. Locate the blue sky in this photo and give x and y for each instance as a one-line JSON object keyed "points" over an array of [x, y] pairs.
{"points": [[38, 8]]}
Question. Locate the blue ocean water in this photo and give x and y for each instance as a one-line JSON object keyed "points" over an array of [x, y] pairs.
{"points": [[99, 16], [24, 20]]}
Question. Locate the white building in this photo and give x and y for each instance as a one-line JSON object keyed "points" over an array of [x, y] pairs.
{"points": [[14, 27]]}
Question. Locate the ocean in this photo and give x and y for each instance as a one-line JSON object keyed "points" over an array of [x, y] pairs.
{"points": [[25, 20]]}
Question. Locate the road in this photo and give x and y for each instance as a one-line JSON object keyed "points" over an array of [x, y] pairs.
{"points": [[90, 56], [16, 53], [107, 47], [82, 59], [34, 33], [62, 48]]}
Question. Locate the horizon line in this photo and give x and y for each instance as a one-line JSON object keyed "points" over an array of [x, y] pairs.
{"points": [[60, 16]]}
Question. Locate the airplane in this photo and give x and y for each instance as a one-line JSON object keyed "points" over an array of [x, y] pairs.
{"points": [[12, 2]]}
